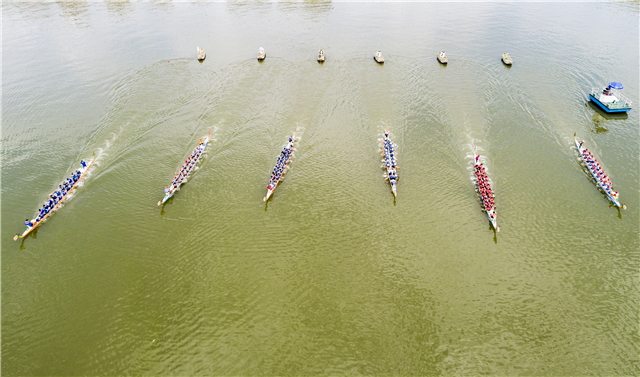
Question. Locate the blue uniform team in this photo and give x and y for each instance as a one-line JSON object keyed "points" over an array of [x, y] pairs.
{"points": [[57, 196], [281, 165], [390, 160], [185, 169]]}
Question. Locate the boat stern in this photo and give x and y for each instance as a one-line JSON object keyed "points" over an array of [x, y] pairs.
{"points": [[269, 192]]}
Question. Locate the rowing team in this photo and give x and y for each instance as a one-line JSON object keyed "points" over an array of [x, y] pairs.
{"points": [[596, 169], [189, 163], [485, 189], [57, 196], [281, 165], [389, 152]]}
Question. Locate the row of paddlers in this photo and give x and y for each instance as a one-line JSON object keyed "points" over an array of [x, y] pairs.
{"points": [[390, 164]]}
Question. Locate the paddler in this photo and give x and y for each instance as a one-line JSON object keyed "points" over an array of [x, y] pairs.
{"points": [[84, 164], [28, 223]]}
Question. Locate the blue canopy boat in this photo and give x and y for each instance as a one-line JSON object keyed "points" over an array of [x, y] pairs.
{"points": [[610, 99]]}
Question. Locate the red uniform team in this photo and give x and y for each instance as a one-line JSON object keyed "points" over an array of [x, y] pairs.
{"points": [[485, 189], [596, 170]]}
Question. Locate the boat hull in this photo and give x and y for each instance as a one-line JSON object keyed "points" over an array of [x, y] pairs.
{"points": [[605, 108], [29, 230], [390, 169], [286, 166], [170, 195], [612, 199], [493, 221]]}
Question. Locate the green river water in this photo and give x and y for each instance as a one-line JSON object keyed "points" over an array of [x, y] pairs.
{"points": [[332, 275]]}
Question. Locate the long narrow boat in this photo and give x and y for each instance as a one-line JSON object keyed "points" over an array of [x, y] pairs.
{"points": [[603, 182], [35, 224], [177, 182], [285, 156], [389, 153], [490, 209], [201, 53]]}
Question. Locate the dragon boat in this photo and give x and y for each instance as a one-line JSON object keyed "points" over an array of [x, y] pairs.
{"points": [[284, 159], [490, 210], [389, 153], [593, 166], [177, 182], [35, 222]]}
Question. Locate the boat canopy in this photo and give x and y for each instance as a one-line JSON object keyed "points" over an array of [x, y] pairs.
{"points": [[615, 85]]}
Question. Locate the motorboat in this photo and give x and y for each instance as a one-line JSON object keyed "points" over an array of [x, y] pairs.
{"points": [[378, 57], [506, 59], [610, 99], [442, 57]]}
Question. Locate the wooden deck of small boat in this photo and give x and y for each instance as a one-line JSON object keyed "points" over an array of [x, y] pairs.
{"points": [[26, 232]]}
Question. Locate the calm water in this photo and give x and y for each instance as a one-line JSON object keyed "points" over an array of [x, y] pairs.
{"points": [[332, 276]]}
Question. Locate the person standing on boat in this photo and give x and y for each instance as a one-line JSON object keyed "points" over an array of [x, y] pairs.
{"points": [[84, 164]]}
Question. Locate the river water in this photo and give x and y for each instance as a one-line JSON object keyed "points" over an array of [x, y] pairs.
{"points": [[333, 275]]}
